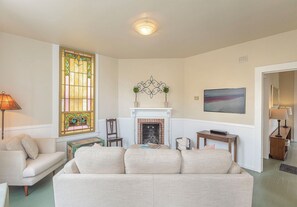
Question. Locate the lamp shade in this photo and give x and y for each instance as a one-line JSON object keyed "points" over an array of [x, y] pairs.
{"points": [[279, 114], [7, 102], [289, 109]]}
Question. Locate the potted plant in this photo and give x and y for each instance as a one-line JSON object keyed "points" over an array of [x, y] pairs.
{"points": [[136, 90], [166, 90]]}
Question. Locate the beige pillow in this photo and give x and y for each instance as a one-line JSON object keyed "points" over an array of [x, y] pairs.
{"points": [[100, 160], [30, 147], [97, 145], [152, 161], [15, 144], [215, 161]]}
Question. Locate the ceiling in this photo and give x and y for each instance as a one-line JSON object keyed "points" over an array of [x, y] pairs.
{"points": [[186, 27]]}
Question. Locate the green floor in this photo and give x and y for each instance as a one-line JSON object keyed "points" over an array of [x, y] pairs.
{"points": [[272, 188]]}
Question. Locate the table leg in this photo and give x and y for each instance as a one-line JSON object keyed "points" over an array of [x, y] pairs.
{"points": [[235, 150], [205, 142], [198, 138], [229, 146]]}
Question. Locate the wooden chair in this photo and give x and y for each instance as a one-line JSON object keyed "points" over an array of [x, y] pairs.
{"points": [[112, 133]]}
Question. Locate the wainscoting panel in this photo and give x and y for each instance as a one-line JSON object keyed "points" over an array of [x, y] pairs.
{"points": [[188, 127], [246, 156], [38, 131]]}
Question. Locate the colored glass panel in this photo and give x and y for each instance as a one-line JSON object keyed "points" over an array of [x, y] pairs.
{"points": [[76, 92]]}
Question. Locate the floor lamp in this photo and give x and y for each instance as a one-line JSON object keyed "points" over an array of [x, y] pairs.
{"points": [[7, 103], [279, 114]]}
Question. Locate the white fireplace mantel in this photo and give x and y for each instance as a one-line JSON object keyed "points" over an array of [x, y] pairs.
{"points": [[164, 113], [150, 112]]}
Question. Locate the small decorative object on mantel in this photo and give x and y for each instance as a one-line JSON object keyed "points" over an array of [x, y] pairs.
{"points": [[166, 90], [136, 90]]}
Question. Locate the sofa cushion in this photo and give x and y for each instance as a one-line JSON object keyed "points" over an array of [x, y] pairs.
{"points": [[100, 160], [15, 144], [42, 163], [152, 161], [30, 147], [206, 161]]}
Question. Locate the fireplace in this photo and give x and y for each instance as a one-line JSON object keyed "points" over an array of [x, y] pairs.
{"points": [[152, 125], [150, 131]]}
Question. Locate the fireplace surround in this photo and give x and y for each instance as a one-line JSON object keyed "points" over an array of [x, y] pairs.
{"points": [[152, 125], [150, 131]]}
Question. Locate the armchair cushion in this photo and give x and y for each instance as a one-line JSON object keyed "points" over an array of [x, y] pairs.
{"points": [[15, 144], [42, 163], [30, 147]]}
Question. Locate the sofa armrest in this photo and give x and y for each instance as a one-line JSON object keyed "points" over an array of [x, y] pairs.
{"points": [[71, 167], [234, 169], [46, 145], [12, 165]]}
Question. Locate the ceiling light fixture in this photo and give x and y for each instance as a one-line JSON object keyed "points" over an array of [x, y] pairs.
{"points": [[145, 26]]}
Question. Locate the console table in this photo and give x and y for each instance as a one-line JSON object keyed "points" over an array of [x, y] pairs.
{"points": [[229, 138], [279, 145]]}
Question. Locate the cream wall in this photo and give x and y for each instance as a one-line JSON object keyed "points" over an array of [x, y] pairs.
{"points": [[269, 125], [286, 86], [26, 74], [222, 69], [26, 68], [169, 71], [108, 87]]}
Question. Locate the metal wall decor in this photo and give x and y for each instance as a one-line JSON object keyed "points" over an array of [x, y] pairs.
{"points": [[151, 87]]}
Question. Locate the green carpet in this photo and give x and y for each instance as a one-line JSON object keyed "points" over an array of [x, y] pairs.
{"points": [[40, 195]]}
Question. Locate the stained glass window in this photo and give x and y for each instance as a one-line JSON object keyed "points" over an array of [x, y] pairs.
{"points": [[77, 100]]}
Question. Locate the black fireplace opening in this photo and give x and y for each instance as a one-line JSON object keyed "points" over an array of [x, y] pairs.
{"points": [[150, 133]]}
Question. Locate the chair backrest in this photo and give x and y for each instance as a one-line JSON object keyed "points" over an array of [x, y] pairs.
{"points": [[111, 128]]}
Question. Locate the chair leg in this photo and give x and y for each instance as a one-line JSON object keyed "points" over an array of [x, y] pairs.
{"points": [[26, 190]]}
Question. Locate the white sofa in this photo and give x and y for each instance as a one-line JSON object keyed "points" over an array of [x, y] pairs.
{"points": [[109, 177], [16, 170]]}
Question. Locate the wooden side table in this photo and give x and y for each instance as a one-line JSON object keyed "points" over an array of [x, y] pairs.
{"points": [[279, 145], [229, 138]]}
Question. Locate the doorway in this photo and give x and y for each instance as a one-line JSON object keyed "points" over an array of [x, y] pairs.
{"points": [[259, 101]]}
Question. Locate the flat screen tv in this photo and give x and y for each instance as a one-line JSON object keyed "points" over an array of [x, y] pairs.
{"points": [[226, 100]]}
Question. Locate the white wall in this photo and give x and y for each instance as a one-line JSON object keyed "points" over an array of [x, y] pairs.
{"points": [[29, 70], [223, 69], [108, 87], [25, 74], [286, 86], [295, 104], [133, 71], [269, 125]]}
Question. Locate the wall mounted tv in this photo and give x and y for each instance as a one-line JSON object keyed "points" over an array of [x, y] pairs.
{"points": [[226, 100]]}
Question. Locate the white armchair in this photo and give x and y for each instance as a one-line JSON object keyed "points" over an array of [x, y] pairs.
{"points": [[16, 170]]}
